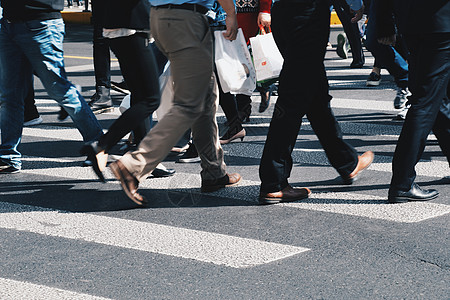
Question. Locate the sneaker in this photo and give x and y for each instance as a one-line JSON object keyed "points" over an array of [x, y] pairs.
{"points": [[190, 156], [374, 79], [401, 98], [120, 87], [6, 168], [342, 46], [402, 114], [101, 101], [33, 122]]}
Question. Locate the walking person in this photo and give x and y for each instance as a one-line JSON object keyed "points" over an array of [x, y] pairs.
{"points": [[301, 31], [426, 28], [182, 33], [127, 28], [31, 39]]}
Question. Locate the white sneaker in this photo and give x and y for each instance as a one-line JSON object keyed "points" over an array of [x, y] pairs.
{"points": [[342, 46], [33, 122], [401, 98], [402, 114]]}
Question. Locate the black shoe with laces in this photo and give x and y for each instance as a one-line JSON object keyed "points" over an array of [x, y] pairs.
{"points": [[7, 168], [190, 156], [374, 79]]}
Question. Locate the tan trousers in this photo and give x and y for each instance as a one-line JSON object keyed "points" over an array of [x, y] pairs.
{"points": [[185, 38]]}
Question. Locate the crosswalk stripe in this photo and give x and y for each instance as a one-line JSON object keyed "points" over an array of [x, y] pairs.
{"points": [[13, 290], [344, 203], [215, 248]]}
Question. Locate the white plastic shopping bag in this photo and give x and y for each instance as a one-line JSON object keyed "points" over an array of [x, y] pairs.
{"points": [[266, 56], [166, 89], [234, 64]]}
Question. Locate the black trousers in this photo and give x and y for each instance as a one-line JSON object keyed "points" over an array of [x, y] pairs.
{"points": [[102, 56], [351, 29], [429, 75], [301, 32], [139, 69]]}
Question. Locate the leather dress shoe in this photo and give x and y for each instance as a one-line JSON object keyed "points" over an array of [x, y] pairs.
{"points": [[213, 185], [129, 183], [364, 161], [288, 194], [416, 193], [163, 172]]}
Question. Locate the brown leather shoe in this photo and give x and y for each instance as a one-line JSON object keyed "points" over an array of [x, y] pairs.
{"points": [[364, 161], [209, 186], [128, 181], [288, 194]]}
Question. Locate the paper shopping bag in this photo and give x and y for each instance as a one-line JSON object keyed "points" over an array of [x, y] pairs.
{"points": [[266, 56], [234, 64]]}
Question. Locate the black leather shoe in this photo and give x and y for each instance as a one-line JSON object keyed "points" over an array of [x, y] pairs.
{"points": [[416, 193], [163, 172]]}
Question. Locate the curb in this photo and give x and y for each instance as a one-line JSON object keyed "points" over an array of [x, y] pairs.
{"points": [[76, 17], [85, 17]]}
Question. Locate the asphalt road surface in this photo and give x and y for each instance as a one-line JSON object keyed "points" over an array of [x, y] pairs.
{"points": [[64, 235]]}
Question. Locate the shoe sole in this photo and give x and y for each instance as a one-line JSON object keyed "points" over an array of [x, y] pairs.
{"points": [[372, 83], [213, 188], [268, 200], [400, 199], [189, 160], [340, 47], [119, 176], [103, 110], [120, 90], [6, 171]]}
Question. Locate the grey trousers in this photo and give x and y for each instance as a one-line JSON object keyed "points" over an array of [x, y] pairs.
{"points": [[185, 38]]}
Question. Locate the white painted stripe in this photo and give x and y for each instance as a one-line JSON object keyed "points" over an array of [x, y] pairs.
{"points": [[13, 290], [219, 249], [89, 67], [363, 104], [345, 203], [373, 207], [434, 168]]}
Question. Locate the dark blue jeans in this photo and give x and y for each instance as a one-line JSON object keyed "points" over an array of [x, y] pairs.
{"points": [[301, 32], [36, 46], [386, 56]]}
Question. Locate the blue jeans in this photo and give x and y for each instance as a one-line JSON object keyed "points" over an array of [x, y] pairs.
{"points": [[36, 46], [385, 56]]}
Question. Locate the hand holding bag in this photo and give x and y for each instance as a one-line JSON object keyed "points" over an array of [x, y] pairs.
{"points": [[266, 56], [234, 64]]}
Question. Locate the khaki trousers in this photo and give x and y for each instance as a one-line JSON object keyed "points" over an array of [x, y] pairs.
{"points": [[185, 38]]}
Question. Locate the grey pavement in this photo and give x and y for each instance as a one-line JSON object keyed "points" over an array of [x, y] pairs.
{"points": [[64, 235]]}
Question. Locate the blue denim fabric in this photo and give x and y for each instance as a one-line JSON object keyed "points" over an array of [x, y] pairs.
{"points": [[38, 46], [386, 56]]}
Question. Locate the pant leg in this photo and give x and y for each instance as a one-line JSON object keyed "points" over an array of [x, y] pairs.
{"points": [[185, 38], [42, 44], [139, 69], [351, 29], [301, 33], [102, 57], [429, 79], [15, 80], [386, 56]]}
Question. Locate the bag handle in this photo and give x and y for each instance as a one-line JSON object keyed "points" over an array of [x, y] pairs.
{"points": [[263, 31]]}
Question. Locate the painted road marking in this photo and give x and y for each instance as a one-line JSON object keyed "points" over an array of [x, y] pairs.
{"points": [[344, 203], [215, 248], [13, 290]]}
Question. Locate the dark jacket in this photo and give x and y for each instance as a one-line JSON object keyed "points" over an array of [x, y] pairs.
{"points": [[27, 10], [413, 16], [132, 14]]}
